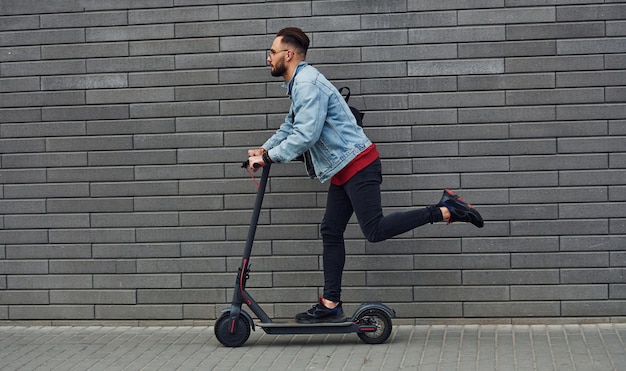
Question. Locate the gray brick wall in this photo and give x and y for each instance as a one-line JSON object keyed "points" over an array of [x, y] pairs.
{"points": [[123, 123]]}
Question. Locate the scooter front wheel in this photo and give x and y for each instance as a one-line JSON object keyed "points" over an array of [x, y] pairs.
{"points": [[240, 334], [378, 318]]}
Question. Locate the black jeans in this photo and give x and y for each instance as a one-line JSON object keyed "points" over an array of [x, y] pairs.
{"points": [[361, 195]]}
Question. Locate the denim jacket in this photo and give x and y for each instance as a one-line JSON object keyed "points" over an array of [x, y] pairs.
{"points": [[319, 121]]}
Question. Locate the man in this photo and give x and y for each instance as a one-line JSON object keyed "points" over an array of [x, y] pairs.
{"points": [[320, 122]]}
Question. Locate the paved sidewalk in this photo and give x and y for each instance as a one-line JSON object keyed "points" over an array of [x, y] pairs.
{"points": [[422, 347]]}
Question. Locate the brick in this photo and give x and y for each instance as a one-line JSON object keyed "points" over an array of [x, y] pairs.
{"points": [[595, 78], [89, 143], [42, 37], [22, 145], [470, 99], [555, 96], [420, 5], [49, 129], [455, 67], [588, 12], [406, 19], [561, 227], [173, 15], [559, 128], [105, 96], [460, 164], [410, 278], [127, 251], [42, 282], [510, 244], [221, 92], [136, 281], [223, 28], [614, 61], [569, 194], [559, 292], [87, 50], [175, 46], [511, 277], [42, 99], [19, 84], [46, 221], [139, 311], [592, 144], [172, 78], [48, 251], [182, 265], [414, 84], [507, 114], [193, 296], [134, 189], [86, 19], [138, 126], [126, 64], [144, 110], [23, 267], [112, 220], [597, 210], [77, 113], [170, 234], [456, 34], [23, 236], [92, 235], [26, 22], [592, 308], [36, 7], [508, 16], [42, 312], [616, 291], [77, 204], [507, 147], [554, 63], [341, 7], [84, 82], [99, 34], [506, 49], [29, 297], [461, 293], [555, 162], [555, 30], [559, 260], [591, 46], [35, 68], [132, 157], [13, 54], [251, 11], [465, 261], [22, 206], [20, 115], [512, 309], [507, 82], [93, 297], [23, 176]]}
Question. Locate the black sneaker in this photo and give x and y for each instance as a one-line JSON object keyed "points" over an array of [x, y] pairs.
{"points": [[319, 313], [460, 211]]}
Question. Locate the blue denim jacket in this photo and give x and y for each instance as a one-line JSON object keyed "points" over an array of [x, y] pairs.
{"points": [[323, 125]]}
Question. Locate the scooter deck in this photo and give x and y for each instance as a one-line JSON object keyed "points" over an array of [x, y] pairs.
{"points": [[315, 328], [298, 324]]}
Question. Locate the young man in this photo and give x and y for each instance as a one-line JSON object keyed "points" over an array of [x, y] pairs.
{"points": [[320, 121]]}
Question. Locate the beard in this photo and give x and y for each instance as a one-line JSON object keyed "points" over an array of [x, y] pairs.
{"points": [[279, 69]]}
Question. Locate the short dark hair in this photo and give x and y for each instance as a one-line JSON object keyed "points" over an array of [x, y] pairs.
{"points": [[295, 37]]}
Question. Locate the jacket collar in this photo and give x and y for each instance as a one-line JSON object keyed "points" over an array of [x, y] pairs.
{"points": [[289, 85]]}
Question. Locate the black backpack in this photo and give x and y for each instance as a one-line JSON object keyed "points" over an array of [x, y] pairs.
{"points": [[306, 156]]}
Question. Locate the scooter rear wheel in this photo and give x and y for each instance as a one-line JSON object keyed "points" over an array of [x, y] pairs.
{"points": [[380, 319], [238, 337]]}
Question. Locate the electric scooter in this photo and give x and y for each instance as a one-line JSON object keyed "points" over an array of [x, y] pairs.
{"points": [[371, 321]]}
